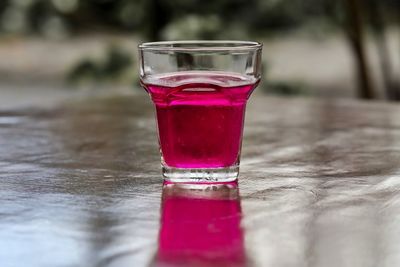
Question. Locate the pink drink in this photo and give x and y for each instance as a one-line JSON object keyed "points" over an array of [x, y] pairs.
{"points": [[200, 116]]}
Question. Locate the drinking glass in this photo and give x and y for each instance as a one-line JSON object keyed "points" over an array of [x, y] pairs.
{"points": [[200, 90]]}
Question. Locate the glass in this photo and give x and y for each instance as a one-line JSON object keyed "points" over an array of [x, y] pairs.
{"points": [[200, 90]]}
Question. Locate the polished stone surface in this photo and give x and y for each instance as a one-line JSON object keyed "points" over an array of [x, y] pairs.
{"points": [[80, 185]]}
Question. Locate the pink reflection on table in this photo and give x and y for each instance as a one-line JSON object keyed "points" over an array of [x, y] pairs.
{"points": [[200, 226]]}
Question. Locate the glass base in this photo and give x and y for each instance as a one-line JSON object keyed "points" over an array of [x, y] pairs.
{"points": [[200, 175]]}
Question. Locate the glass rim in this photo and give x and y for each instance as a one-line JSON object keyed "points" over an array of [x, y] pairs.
{"points": [[200, 46]]}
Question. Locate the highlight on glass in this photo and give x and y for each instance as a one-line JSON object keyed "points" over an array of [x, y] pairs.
{"points": [[200, 90]]}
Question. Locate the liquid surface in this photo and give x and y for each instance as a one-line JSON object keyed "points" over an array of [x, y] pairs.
{"points": [[200, 117]]}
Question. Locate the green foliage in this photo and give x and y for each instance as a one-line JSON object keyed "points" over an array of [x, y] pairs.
{"points": [[85, 69], [117, 62], [193, 27], [284, 88], [115, 67], [57, 18]]}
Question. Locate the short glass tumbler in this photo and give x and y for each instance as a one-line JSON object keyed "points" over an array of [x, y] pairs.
{"points": [[200, 90]]}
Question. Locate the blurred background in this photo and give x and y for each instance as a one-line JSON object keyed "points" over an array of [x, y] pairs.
{"points": [[55, 49]]}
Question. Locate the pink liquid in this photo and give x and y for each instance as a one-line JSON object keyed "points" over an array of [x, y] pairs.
{"points": [[200, 231], [200, 117]]}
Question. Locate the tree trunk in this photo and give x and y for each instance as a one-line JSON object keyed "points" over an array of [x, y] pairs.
{"points": [[378, 26], [157, 19], [354, 28]]}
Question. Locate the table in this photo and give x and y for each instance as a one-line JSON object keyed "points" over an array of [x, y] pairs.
{"points": [[80, 185]]}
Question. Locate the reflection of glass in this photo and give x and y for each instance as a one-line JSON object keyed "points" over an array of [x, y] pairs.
{"points": [[201, 227], [200, 90]]}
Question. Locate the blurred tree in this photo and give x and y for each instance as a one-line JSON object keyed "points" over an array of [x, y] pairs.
{"points": [[285, 88], [378, 25], [193, 27], [115, 66], [158, 17], [354, 26], [152, 17], [204, 19]]}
